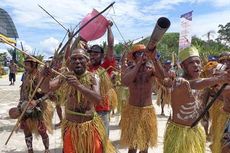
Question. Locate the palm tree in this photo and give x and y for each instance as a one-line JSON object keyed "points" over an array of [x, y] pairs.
{"points": [[209, 34]]}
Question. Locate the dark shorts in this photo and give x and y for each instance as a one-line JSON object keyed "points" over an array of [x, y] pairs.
{"points": [[12, 77]]}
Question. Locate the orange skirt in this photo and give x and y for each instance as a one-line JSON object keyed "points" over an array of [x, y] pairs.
{"points": [[69, 148], [87, 137]]}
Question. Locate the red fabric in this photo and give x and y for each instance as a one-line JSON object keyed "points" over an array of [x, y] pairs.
{"points": [[106, 64], [109, 63], [95, 29], [68, 146], [105, 107]]}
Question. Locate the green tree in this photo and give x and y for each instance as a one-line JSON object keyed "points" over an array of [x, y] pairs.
{"points": [[120, 48], [3, 58], [209, 48], [167, 45], [224, 34], [10, 51]]}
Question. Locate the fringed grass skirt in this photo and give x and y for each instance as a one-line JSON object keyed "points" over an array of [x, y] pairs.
{"points": [[226, 136], [87, 137], [113, 98], [163, 96], [138, 127], [183, 139], [219, 119], [44, 122], [122, 97]]}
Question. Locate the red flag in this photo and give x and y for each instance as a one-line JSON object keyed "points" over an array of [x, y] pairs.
{"points": [[94, 29]]}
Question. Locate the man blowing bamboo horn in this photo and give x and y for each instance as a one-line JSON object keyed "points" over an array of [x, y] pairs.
{"points": [[82, 128], [186, 105], [138, 122]]}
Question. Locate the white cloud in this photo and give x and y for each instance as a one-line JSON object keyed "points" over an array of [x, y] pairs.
{"points": [[221, 3], [134, 18], [3, 50], [25, 45], [49, 45], [204, 23], [70, 12]]}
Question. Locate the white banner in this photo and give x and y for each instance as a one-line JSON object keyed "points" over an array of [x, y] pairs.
{"points": [[185, 33]]}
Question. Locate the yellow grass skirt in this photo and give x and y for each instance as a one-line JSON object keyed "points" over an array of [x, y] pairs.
{"points": [[85, 136], [122, 97], [183, 139], [218, 119], [138, 127], [112, 98], [163, 96], [226, 135], [47, 115]]}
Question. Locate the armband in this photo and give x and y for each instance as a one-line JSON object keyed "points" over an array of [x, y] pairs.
{"points": [[42, 99]]}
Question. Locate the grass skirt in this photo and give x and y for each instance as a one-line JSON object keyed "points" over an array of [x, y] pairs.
{"points": [[122, 97], [183, 139], [226, 135], [218, 119], [87, 137], [163, 94], [113, 98], [45, 119], [138, 127]]}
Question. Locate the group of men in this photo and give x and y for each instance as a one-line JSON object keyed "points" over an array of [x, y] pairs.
{"points": [[86, 90]]}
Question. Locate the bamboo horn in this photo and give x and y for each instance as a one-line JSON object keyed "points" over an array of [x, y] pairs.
{"points": [[159, 30]]}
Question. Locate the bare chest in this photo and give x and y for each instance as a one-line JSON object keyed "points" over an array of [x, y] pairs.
{"points": [[76, 102], [142, 78], [189, 109]]}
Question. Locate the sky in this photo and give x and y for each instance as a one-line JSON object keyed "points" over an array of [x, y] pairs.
{"points": [[39, 33]]}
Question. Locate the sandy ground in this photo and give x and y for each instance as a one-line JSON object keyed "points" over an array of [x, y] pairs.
{"points": [[9, 96]]}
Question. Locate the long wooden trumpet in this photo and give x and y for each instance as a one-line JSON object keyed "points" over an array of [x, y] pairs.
{"points": [[161, 27]]}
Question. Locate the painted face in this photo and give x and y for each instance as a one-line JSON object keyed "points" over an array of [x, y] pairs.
{"points": [[56, 64], [226, 62], [95, 58], [192, 67], [30, 66], [78, 63], [140, 55]]}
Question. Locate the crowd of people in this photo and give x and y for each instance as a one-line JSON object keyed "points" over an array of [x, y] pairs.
{"points": [[91, 84]]}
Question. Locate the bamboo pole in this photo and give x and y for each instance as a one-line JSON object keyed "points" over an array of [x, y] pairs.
{"points": [[24, 110], [40, 62]]}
